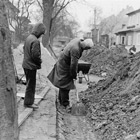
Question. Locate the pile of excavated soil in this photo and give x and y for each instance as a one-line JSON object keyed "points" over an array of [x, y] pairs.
{"points": [[106, 60], [114, 103]]}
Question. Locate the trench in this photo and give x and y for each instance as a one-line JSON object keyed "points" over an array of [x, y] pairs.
{"points": [[71, 127]]}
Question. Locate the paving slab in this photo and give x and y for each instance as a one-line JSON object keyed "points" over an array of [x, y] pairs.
{"points": [[27, 111], [41, 125]]}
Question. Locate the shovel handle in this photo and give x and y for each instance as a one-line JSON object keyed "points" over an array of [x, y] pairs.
{"points": [[77, 96]]}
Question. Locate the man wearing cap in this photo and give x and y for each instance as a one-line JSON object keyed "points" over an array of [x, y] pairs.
{"points": [[31, 62], [64, 72]]}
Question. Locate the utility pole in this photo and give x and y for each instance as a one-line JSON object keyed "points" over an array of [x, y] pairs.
{"points": [[94, 30], [94, 18]]}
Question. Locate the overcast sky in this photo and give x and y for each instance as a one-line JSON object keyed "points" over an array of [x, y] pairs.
{"points": [[83, 12]]}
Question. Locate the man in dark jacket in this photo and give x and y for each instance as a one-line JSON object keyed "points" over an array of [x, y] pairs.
{"points": [[31, 62], [64, 72]]}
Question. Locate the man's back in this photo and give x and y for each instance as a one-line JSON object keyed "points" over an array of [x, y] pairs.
{"points": [[72, 46]]}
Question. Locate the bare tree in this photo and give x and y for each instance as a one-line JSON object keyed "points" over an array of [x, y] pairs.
{"points": [[51, 10], [8, 104], [18, 20], [107, 26], [65, 25]]}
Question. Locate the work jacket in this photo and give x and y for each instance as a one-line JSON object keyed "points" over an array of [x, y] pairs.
{"points": [[32, 51], [65, 69]]}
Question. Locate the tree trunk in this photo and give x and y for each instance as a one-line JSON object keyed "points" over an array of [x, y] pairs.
{"points": [[47, 18], [8, 104]]}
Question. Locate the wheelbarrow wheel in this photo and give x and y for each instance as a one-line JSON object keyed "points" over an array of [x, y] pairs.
{"points": [[80, 76], [80, 80]]}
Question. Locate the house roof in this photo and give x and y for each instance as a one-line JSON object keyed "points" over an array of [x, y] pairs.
{"points": [[133, 12], [137, 29], [128, 30], [123, 31], [104, 34]]}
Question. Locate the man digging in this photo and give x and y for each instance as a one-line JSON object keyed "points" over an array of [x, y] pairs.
{"points": [[64, 73]]}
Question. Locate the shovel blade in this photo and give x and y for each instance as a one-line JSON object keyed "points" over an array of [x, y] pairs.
{"points": [[78, 109]]}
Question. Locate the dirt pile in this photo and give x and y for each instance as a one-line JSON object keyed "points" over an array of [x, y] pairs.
{"points": [[106, 60], [114, 104]]}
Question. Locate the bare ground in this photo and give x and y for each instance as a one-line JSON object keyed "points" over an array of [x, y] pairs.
{"points": [[41, 124], [75, 127]]}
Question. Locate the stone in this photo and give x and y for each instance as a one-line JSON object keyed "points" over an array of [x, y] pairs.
{"points": [[61, 136], [51, 130], [130, 137], [138, 134]]}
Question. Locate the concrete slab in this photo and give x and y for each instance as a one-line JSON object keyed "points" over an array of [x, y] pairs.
{"points": [[19, 94], [27, 112]]}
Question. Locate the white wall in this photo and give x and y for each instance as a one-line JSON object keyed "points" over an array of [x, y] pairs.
{"points": [[134, 19]]}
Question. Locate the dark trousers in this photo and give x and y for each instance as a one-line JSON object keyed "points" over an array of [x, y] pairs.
{"points": [[30, 86], [64, 97]]}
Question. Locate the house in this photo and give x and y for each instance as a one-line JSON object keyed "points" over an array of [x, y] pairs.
{"points": [[59, 44], [105, 40], [87, 35], [129, 35], [80, 34]]}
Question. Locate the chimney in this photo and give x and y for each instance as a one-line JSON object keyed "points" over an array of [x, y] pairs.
{"points": [[123, 25]]}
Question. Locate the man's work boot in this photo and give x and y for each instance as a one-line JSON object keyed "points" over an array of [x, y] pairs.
{"points": [[32, 106]]}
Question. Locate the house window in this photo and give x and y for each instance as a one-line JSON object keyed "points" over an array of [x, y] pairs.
{"points": [[123, 40], [129, 41], [138, 19], [138, 39]]}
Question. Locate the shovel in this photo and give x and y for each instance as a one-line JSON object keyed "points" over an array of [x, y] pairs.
{"points": [[78, 109]]}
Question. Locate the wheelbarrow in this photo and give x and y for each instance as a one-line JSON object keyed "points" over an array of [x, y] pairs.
{"points": [[83, 71]]}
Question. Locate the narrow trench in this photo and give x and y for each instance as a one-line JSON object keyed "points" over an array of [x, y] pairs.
{"points": [[69, 127]]}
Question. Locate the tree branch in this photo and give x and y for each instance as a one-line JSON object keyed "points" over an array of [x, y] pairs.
{"points": [[63, 6], [40, 5]]}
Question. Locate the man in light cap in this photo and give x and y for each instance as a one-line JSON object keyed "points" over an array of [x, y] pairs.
{"points": [[64, 72], [31, 62]]}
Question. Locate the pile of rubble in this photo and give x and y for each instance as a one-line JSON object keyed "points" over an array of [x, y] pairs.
{"points": [[114, 103], [106, 60]]}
